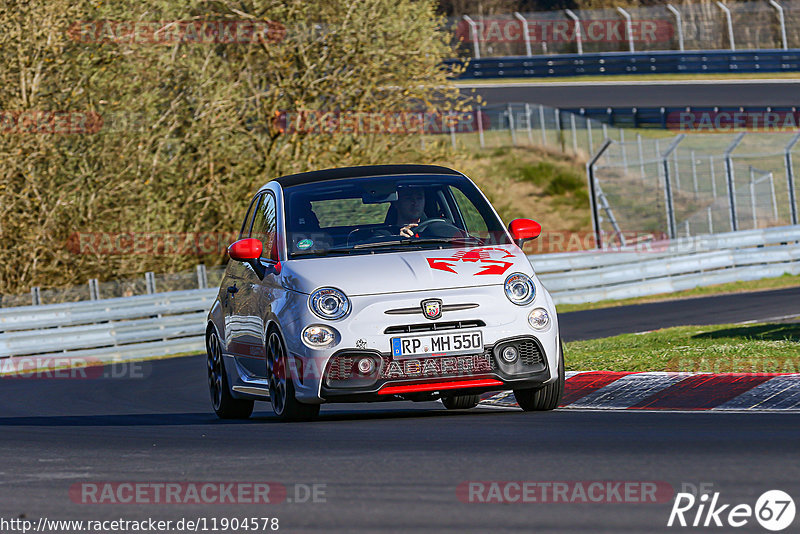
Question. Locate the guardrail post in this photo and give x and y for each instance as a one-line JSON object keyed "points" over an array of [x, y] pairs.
{"points": [[729, 180], [36, 296], [727, 12], [526, 35], [94, 289], [150, 282], [790, 176], [473, 29], [202, 276], [577, 21], [511, 125], [668, 187], [628, 27], [678, 24], [782, 22], [593, 193]]}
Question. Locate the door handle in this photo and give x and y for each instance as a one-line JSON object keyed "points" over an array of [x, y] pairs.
{"points": [[232, 289]]}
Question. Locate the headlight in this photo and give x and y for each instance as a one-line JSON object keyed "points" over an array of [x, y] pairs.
{"points": [[539, 319], [520, 289], [329, 303], [318, 336]]}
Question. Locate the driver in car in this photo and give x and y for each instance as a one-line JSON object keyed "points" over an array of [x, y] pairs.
{"points": [[410, 208]]}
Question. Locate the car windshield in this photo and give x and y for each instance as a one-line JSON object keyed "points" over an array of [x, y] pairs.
{"points": [[388, 214]]}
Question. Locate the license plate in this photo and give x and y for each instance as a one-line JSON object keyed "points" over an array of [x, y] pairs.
{"points": [[437, 344]]}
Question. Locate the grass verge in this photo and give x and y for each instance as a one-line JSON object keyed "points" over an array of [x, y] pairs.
{"points": [[730, 348], [780, 282]]}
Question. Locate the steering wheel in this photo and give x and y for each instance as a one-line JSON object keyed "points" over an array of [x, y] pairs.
{"points": [[421, 227]]}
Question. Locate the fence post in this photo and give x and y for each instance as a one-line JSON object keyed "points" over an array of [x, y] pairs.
{"points": [[605, 132], [36, 296], [202, 276], [574, 133], [710, 221], [480, 128], [641, 154], [678, 24], [559, 134], [589, 135], [593, 193], [578, 37], [790, 176], [452, 131], [150, 282], [511, 126], [677, 171], [526, 35], [729, 180], [774, 198], [727, 12], [628, 27], [623, 148], [528, 119], [782, 22], [694, 173], [713, 177], [94, 289], [753, 198], [541, 124], [671, 228], [473, 29]]}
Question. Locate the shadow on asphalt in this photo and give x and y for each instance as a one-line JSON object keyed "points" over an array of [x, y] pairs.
{"points": [[185, 419], [766, 332]]}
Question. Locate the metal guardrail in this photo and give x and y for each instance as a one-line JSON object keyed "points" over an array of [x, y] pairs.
{"points": [[170, 323], [654, 62]]}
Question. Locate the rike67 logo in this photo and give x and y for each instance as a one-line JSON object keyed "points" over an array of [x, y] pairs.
{"points": [[774, 510]]}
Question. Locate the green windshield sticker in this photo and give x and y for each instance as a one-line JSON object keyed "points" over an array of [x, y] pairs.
{"points": [[303, 244]]}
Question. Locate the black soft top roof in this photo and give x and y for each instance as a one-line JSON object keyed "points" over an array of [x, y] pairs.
{"points": [[360, 172]]}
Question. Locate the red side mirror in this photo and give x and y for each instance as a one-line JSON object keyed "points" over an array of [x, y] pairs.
{"points": [[524, 229], [245, 249]]}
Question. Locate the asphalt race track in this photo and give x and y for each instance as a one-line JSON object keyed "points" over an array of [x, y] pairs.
{"points": [[779, 92], [390, 467]]}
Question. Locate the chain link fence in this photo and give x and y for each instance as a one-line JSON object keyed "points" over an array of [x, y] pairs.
{"points": [[673, 26]]}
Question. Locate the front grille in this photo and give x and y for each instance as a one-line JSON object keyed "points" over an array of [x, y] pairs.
{"points": [[529, 352], [433, 327]]}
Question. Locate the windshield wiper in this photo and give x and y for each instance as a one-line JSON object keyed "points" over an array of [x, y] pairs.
{"points": [[323, 252], [418, 241]]}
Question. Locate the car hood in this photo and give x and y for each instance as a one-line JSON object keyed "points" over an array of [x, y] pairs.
{"points": [[370, 274]]}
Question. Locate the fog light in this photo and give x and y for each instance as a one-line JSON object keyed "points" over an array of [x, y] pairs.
{"points": [[366, 366], [318, 336], [509, 354], [539, 319]]}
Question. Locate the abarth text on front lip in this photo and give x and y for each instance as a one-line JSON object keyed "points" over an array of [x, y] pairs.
{"points": [[378, 283]]}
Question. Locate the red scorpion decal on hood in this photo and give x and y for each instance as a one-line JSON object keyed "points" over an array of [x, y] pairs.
{"points": [[482, 255]]}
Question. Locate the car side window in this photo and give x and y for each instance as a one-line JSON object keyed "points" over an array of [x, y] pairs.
{"points": [[248, 219], [264, 226], [475, 223]]}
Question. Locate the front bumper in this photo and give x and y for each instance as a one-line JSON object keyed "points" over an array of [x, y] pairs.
{"points": [[369, 327]]}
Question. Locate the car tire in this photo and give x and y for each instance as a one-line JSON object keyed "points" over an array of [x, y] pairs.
{"points": [[225, 406], [281, 386], [460, 402], [547, 397]]}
